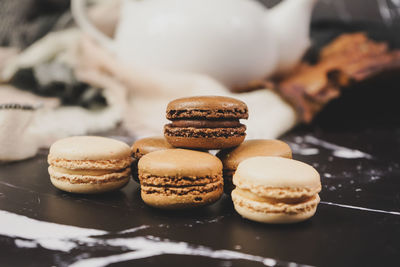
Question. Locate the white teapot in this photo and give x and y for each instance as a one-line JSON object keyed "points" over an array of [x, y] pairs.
{"points": [[232, 41]]}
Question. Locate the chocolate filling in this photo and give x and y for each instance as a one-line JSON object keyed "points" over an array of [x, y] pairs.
{"points": [[236, 113], [204, 132], [206, 123]]}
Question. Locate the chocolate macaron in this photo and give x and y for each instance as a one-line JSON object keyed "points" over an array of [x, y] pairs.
{"points": [[180, 178], [250, 148], [144, 146], [206, 122]]}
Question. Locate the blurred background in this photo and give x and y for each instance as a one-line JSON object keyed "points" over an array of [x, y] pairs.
{"points": [[380, 11], [24, 21], [72, 85]]}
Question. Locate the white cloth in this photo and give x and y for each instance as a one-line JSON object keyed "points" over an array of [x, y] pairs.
{"points": [[136, 99]]}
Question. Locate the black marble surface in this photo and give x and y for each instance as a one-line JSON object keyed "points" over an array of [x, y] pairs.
{"points": [[356, 224]]}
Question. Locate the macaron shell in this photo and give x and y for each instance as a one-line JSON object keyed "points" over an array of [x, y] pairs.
{"points": [[273, 218], [260, 174], [89, 188], [179, 163], [144, 146], [253, 148], [87, 182], [182, 201], [270, 205], [249, 148], [211, 107], [274, 212], [150, 144], [89, 148], [205, 143]]}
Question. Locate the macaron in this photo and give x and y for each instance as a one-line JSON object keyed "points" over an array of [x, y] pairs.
{"points": [[206, 122], [180, 178], [89, 164], [144, 146], [276, 190], [250, 148]]}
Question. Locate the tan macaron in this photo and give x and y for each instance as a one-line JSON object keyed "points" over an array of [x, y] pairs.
{"points": [[276, 190], [250, 148], [149, 144], [89, 164], [144, 146], [180, 178]]}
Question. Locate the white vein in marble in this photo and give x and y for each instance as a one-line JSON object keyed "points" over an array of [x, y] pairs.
{"points": [[64, 238], [359, 208], [337, 151]]}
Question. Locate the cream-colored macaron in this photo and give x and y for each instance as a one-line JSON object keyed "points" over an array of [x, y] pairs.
{"points": [[89, 164], [276, 190]]}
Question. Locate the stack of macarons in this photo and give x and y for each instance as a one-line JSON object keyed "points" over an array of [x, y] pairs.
{"points": [[176, 171], [182, 174]]}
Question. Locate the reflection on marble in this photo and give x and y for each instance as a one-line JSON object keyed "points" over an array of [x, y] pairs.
{"points": [[386, 11], [301, 146], [337, 151], [389, 10], [64, 238]]}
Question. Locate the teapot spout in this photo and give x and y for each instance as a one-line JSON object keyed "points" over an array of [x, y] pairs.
{"points": [[290, 20]]}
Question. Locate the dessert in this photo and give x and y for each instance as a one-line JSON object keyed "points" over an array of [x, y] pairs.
{"points": [[180, 178], [276, 190], [206, 122], [144, 146], [89, 164], [250, 148]]}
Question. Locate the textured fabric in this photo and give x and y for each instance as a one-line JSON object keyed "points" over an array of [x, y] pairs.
{"points": [[22, 22]]}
